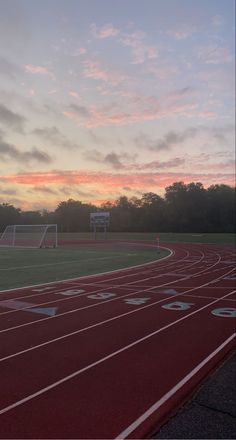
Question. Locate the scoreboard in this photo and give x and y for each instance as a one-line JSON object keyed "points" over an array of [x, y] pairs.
{"points": [[99, 219]]}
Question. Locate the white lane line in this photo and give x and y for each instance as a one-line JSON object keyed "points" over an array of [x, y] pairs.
{"points": [[35, 266], [86, 293], [105, 358], [102, 302], [105, 321], [98, 284], [124, 434], [78, 279], [82, 295], [172, 253], [118, 270]]}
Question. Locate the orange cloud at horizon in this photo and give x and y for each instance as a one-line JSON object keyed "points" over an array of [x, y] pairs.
{"points": [[45, 190], [110, 181]]}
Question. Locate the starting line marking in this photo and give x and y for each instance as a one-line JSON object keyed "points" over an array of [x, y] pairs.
{"points": [[230, 278], [28, 307]]}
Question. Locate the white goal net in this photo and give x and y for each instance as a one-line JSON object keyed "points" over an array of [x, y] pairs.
{"points": [[35, 236]]}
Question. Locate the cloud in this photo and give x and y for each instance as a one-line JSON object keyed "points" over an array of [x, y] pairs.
{"points": [[125, 161], [55, 137], [74, 94], [78, 113], [135, 40], [8, 191], [150, 110], [79, 110], [172, 137], [182, 32], [11, 119], [221, 161], [140, 50], [105, 183], [140, 108], [9, 152], [94, 70], [79, 52], [215, 55], [38, 70], [116, 161], [156, 165], [9, 69], [66, 190], [44, 190], [106, 31]]}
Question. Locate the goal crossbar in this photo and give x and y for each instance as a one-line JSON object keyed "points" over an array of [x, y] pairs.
{"points": [[30, 236]]}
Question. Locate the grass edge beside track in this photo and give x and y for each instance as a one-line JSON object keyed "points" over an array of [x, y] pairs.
{"points": [[90, 275]]}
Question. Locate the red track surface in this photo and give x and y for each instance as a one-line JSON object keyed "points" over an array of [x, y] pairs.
{"points": [[114, 366]]}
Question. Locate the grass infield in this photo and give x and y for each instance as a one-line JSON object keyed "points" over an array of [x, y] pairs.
{"points": [[25, 267]]}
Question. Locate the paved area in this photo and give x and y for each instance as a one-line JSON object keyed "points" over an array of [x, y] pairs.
{"points": [[211, 414]]}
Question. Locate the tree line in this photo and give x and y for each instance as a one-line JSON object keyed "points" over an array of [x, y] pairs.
{"points": [[183, 208]]}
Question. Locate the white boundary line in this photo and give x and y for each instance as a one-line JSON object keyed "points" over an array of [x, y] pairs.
{"points": [[35, 266], [101, 287], [105, 358], [124, 434], [98, 324], [113, 299], [93, 275]]}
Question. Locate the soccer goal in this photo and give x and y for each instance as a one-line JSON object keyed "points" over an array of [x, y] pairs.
{"points": [[32, 236]]}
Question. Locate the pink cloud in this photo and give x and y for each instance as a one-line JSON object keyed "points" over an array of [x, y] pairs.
{"points": [[182, 32], [107, 182], [106, 31], [96, 187], [74, 94], [140, 50], [80, 51], [94, 70], [37, 70], [150, 110]]}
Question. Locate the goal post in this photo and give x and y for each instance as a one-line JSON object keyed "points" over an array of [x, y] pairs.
{"points": [[30, 236]]}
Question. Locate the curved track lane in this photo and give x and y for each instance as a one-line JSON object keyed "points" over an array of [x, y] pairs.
{"points": [[111, 355]]}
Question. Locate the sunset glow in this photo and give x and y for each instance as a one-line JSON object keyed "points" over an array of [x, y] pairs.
{"points": [[100, 99]]}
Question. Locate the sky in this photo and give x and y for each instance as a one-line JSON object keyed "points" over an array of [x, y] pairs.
{"points": [[105, 98]]}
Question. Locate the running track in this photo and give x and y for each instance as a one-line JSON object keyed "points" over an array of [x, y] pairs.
{"points": [[111, 355]]}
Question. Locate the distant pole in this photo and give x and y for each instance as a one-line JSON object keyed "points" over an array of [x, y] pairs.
{"points": [[158, 243]]}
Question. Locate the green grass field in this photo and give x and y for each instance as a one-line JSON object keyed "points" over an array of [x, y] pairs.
{"points": [[24, 267]]}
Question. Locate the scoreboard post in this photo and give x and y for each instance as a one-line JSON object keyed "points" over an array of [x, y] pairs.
{"points": [[99, 221]]}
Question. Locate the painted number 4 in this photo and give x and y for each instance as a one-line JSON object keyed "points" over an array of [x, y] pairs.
{"points": [[136, 301], [102, 295], [178, 305]]}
